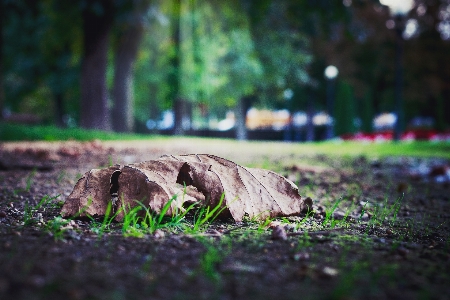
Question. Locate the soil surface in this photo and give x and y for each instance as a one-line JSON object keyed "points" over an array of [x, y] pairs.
{"points": [[379, 230]]}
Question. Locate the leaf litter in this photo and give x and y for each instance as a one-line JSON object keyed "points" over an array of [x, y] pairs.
{"points": [[197, 178]]}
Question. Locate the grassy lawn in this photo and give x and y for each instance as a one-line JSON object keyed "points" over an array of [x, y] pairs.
{"points": [[10, 132]]}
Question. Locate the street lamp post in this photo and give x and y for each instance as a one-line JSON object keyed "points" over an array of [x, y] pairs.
{"points": [[398, 9], [331, 72]]}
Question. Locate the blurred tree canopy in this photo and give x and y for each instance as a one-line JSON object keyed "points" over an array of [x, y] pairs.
{"points": [[112, 64]]}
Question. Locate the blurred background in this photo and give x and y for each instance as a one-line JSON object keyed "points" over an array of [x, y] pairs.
{"points": [[293, 70]]}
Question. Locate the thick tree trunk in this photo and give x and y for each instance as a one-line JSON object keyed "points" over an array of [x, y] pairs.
{"points": [[122, 111], [174, 76], [129, 40], [182, 116], [94, 97]]}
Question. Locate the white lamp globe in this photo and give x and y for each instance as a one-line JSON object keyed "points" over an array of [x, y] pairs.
{"points": [[398, 7], [331, 72]]}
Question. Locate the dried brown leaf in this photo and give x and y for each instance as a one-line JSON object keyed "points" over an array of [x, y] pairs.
{"points": [[203, 178]]}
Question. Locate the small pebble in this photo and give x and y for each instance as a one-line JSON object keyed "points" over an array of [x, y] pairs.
{"points": [[279, 233], [329, 272], [339, 215], [274, 224], [158, 234]]}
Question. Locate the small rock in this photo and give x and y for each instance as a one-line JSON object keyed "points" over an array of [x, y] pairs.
{"points": [[279, 233], [39, 218], [364, 203], [274, 224], [338, 215], [319, 208], [358, 217], [365, 217], [289, 227], [329, 272], [2, 214], [159, 234], [318, 216]]}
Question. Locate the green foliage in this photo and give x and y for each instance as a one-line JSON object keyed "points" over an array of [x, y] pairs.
{"points": [[15, 132], [204, 216], [29, 180], [140, 220], [385, 212], [282, 51], [136, 225], [56, 227], [100, 228], [228, 49], [41, 56], [32, 214], [329, 212]]}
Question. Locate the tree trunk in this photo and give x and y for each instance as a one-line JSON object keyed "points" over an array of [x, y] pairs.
{"points": [[182, 116], [129, 40], [241, 113], [174, 76], [94, 98]]}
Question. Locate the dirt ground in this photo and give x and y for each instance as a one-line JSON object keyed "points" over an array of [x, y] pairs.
{"points": [[379, 230]]}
